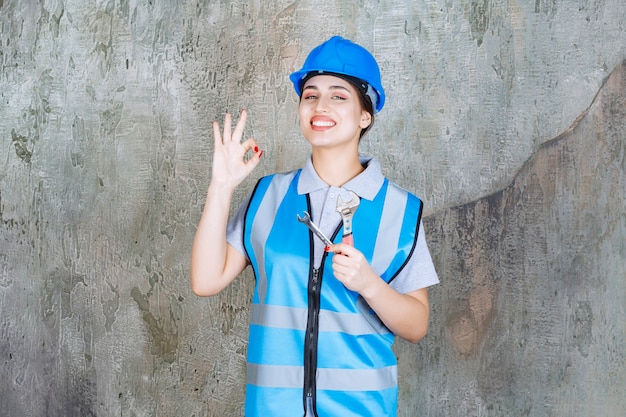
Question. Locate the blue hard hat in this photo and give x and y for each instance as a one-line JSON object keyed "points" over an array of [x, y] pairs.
{"points": [[339, 56]]}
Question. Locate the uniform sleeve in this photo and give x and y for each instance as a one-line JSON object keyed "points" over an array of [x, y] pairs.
{"points": [[419, 272], [234, 230]]}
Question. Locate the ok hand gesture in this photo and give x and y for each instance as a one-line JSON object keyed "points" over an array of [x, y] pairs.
{"points": [[230, 166]]}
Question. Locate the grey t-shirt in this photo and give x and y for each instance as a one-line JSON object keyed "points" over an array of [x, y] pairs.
{"points": [[418, 273]]}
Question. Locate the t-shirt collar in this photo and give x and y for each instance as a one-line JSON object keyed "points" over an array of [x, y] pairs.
{"points": [[365, 185]]}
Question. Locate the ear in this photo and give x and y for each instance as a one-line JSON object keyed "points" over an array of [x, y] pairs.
{"points": [[366, 119]]}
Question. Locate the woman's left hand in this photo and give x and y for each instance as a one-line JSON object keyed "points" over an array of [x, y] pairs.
{"points": [[406, 315], [352, 269]]}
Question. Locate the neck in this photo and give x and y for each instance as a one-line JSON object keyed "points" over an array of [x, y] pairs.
{"points": [[334, 168]]}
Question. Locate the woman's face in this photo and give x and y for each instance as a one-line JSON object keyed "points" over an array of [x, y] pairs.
{"points": [[330, 112]]}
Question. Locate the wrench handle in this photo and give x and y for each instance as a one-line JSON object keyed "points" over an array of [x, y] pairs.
{"points": [[348, 239]]}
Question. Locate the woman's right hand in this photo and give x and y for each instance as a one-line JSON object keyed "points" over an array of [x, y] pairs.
{"points": [[230, 166]]}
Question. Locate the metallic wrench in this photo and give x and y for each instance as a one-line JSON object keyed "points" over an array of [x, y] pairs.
{"points": [[347, 209], [306, 219]]}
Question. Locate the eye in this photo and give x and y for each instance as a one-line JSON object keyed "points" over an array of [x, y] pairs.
{"points": [[338, 97], [308, 96]]}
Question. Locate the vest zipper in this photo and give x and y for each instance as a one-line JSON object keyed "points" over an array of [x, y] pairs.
{"points": [[312, 326], [310, 343]]}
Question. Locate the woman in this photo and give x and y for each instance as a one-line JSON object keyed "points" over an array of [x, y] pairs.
{"points": [[323, 316]]}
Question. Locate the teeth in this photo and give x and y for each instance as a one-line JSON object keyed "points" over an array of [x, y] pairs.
{"points": [[324, 124]]}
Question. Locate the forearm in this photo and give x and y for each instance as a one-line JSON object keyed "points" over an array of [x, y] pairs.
{"points": [[214, 263], [209, 250], [406, 315]]}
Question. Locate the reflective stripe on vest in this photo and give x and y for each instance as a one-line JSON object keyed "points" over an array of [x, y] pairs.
{"points": [[356, 368]]}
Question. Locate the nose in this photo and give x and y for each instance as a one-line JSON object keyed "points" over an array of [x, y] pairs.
{"points": [[321, 105]]}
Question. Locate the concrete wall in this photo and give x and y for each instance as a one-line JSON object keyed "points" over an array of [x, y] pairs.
{"points": [[507, 117]]}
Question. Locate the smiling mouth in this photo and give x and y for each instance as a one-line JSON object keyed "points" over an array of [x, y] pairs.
{"points": [[320, 123]]}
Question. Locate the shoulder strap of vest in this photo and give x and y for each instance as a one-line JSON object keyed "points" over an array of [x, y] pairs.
{"points": [[416, 206], [266, 196], [399, 217]]}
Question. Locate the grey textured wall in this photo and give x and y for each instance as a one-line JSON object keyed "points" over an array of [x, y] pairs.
{"points": [[507, 117]]}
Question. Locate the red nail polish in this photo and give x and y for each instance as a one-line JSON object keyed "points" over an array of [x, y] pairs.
{"points": [[256, 149], [326, 248], [260, 154]]}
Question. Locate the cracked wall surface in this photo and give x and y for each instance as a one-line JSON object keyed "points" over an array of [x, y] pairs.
{"points": [[506, 117], [533, 323]]}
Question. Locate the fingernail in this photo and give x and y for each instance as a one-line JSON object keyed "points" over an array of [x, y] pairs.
{"points": [[326, 248], [256, 149], [260, 154]]}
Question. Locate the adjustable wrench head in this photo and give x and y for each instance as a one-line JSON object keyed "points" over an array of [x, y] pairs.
{"points": [[348, 206], [347, 209]]}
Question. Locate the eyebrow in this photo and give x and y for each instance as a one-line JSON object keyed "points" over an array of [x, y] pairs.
{"points": [[332, 87]]}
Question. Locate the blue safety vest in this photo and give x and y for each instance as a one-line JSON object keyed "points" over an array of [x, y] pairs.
{"points": [[311, 339]]}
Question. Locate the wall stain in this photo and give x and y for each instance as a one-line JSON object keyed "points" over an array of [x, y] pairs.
{"points": [[110, 307], [230, 315], [5, 278], [581, 322], [479, 19], [110, 118], [470, 316], [52, 19], [164, 344], [20, 143], [56, 303], [547, 7]]}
